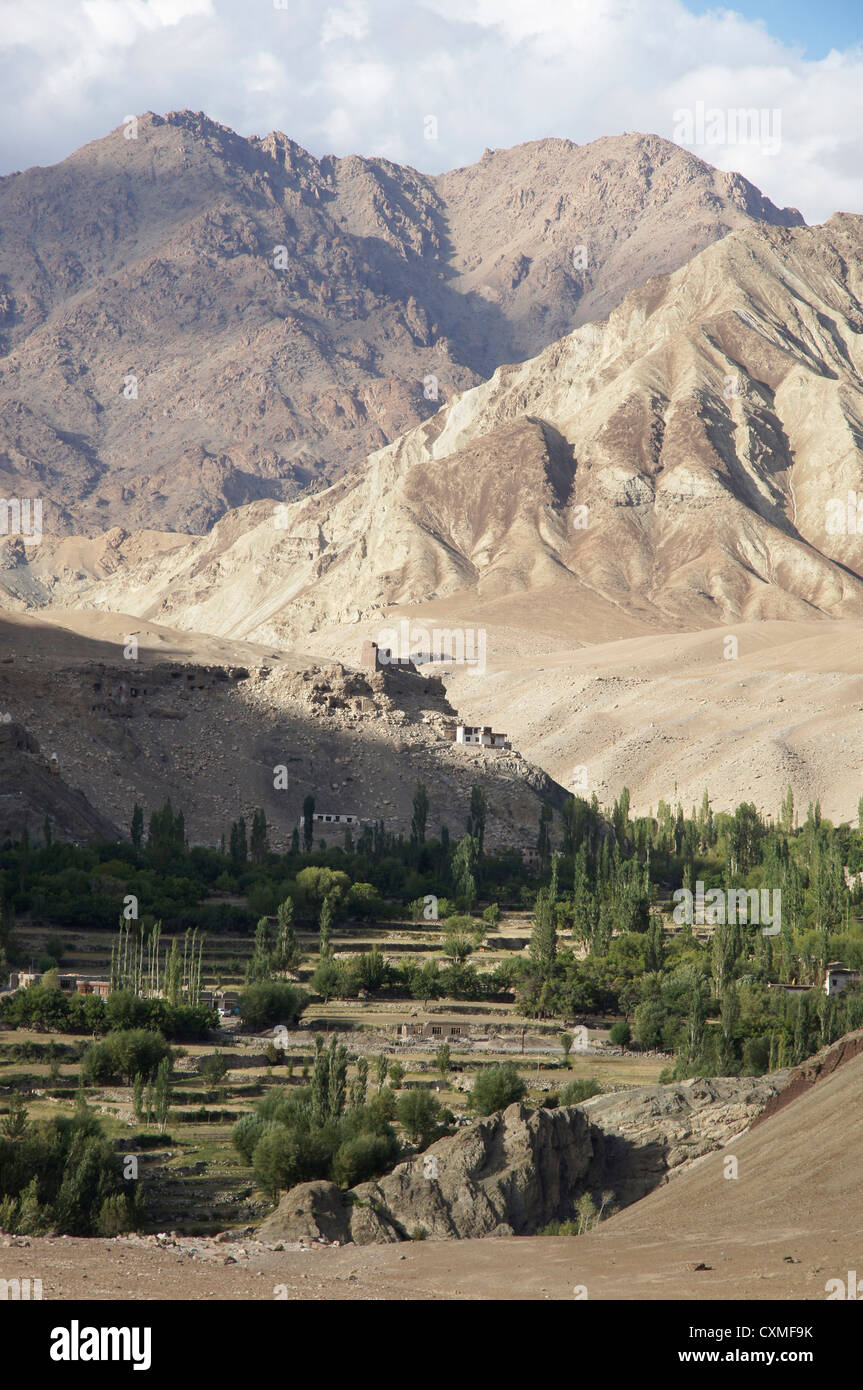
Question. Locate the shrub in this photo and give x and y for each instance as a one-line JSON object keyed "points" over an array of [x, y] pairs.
{"points": [[496, 1087], [417, 1113], [123, 1055], [263, 1005], [114, 1216], [620, 1034], [331, 978], [363, 1157], [246, 1133], [581, 1089], [213, 1068]]}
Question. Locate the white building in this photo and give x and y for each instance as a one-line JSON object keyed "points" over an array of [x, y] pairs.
{"points": [[838, 977], [480, 735], [331, 818]]}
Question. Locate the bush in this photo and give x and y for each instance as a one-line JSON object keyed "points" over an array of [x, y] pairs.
{"points": [[332, 979], [574, 1092], [417, 1113], [496, 1087], [114, 1216], [620, 1034], [363, 1157], [213, 1068], [246, 1133], [264, 1005], [123, 1056], [756, 1055], [283, 1157], [77, 1171]]}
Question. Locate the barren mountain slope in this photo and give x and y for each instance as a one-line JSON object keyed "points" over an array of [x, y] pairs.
{"points": [[557, 234], [676, 463], [151, 265], [225, 728], [743, 710]]}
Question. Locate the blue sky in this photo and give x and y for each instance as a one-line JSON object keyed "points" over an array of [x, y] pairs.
{"points": [[818, 25], [364, 77]]}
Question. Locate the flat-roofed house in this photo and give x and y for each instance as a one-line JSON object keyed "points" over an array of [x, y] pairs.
{"points": [[838, 977]]}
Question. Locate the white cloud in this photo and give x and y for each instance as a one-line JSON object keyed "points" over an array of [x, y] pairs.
{"points": [[360, 77], [349, 22]]}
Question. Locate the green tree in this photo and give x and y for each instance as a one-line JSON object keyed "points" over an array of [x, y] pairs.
{"points": [[325, 922], [464, 863], [420, 814], [14, 1123], [163, 1092], [359, 1085], [308, 823], [287, 955], [261, 965], [239, 848], [496, 1087], [543, 839], [443, 1061], [259, 845], [477, 817], [543, 940], [417, 1113]]}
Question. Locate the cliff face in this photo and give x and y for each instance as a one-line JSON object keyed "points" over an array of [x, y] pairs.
{"points": [[515, 1172]]}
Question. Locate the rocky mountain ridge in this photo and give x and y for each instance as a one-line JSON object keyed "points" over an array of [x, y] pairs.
{"points": [[239, 318]]}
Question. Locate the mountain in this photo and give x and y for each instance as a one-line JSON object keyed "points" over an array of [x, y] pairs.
{"points": [[672, 467], [225, 728], [33, 792], [191, 320]]}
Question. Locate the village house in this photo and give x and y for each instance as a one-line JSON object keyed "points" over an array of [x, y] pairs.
{"points": [[838, 977], [439, 1029], [479, 735], [331, 818], [68, 984], [225, 1001]]}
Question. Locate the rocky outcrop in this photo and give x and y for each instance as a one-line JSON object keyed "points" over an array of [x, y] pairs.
{"points": [[515, 1172], [644, 1134]]}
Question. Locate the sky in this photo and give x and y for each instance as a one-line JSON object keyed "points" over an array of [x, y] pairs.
{"points": [[432, 83]]}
